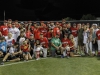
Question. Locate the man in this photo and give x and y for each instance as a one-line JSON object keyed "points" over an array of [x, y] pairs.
{"points": [[15, 31], [44, 43], [4, 29], [65, 46], [69, 29], [74, 33], [98, 40], [80, 39], [55, 45], [94, 44], [13, 54]]}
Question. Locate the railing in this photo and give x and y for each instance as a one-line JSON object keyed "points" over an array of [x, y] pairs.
{"points": [[75, 21]]}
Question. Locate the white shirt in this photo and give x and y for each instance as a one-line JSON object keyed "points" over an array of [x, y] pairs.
{"points": [[12, 50], [38, 48], [15, 32], [9, 41]]}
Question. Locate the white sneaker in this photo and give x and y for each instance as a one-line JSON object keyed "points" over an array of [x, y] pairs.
{"points": [[37, 58]]}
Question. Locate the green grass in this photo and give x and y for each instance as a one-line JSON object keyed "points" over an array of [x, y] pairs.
{"points": [[54, 66]]}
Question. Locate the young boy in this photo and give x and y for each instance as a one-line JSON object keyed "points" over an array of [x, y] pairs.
{"points": [[3, 47]]}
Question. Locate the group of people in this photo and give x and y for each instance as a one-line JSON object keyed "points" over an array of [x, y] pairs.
{"points": [[27, 40]]}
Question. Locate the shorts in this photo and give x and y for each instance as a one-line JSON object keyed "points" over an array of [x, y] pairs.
{"points": [[11, 57], [71, 50], [58, 52], [25, 52]]}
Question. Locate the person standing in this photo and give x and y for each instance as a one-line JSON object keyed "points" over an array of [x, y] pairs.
{"points": [[4, 29], [44, 42], [80, 38], [98, 40], [15, 31], [95, 46]]}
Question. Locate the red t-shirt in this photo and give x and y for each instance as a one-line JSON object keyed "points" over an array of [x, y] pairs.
{"points": [[98, 34], [36, 33], [44, 42], [28, 33], [74, 31], [4, 30], [44, 31], [65, 42], [24, 48], [49, 35]]}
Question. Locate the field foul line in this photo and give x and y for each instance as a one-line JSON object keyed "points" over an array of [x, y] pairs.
{"points": [[20, 62]]}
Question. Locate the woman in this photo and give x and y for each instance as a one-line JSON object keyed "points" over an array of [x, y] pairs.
{"points": [[90, 40], [25, 47], [72, 46]]}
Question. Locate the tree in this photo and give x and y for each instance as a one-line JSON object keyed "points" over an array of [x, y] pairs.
{"points": [[69, 19], [88, 17]]}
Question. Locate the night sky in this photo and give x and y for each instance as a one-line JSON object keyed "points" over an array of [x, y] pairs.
{"points": [[48, 9]]}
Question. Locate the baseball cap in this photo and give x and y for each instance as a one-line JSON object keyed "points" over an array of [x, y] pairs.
{"points": [[31, 34], [95, 24]]}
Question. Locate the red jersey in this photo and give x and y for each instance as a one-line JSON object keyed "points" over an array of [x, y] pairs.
{"points": [[4, 30], [44, 42], [98, 34], [36, 33], [25, 48], [49, 35], [65, 42], [74, 31], [56, 31], [71, 44], [28, 33], [44, 31]]}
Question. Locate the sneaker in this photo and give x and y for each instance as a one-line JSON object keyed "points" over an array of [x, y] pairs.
{"points": [[25, 60], [2, 63], [7, 60], [68, 57], [62, 56], [37, 58]]}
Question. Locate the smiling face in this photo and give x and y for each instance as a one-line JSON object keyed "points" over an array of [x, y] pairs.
{"points": [[9, 35]]}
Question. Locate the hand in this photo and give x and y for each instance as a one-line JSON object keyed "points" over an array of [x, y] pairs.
{"points": [[57, 48]]}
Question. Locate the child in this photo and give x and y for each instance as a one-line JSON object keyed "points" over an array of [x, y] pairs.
{"points": [[3, 47], [25, 49], [38, 49]]}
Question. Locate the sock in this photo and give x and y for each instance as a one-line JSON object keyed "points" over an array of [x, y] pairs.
{"points": [[37, 54]]}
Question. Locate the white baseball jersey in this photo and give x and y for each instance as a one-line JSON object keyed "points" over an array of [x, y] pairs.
{"points": [[15, 32], [9, 41]]}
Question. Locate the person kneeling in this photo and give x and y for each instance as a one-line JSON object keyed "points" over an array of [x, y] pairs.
{"points": [[13, 54], [25, 49]]}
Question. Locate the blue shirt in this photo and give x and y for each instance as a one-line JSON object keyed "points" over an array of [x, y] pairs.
{"points": [[3, 46]]}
